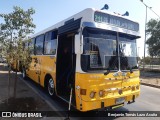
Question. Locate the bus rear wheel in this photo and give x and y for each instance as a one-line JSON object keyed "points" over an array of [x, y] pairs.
{"points": [[51, 87]]}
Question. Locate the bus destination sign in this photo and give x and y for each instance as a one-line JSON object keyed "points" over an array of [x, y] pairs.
{"points": [[116, 21]]}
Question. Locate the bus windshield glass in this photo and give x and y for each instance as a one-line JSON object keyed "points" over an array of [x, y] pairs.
{"points": [[128, 52], [128, 49], [101, 51]]}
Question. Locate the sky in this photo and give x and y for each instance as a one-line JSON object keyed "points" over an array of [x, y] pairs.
{"points": [[49, 12]]}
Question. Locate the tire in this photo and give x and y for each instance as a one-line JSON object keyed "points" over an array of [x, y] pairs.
{"points": [[24, 74], [50, 87]]}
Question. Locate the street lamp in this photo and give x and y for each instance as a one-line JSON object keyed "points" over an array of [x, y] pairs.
{"points": [[145, 31], [145, 37], [146, 26]]}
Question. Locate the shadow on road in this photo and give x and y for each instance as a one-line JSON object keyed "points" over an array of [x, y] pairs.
{"points": [[20, 104]]}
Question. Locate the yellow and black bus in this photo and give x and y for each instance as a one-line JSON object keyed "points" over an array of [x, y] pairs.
{"points": [[92, 54]]}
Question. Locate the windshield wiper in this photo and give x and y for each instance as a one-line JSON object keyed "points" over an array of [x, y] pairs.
{"points": [[107, 72]]}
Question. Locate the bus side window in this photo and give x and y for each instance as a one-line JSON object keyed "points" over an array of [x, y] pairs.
{"points": [[31, 46], [39, 45], [50, 43]]}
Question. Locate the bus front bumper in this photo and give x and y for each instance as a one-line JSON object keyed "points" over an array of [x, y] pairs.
{"points": [[109, 103]]}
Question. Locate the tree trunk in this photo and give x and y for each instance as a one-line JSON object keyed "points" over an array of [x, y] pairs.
{"points": [[15, 82], [9, 82]]}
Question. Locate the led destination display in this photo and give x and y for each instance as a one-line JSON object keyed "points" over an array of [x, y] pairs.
{"points": [[116, 21]]}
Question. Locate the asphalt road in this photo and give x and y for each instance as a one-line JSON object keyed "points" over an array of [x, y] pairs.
{"points": [[149, 100]]}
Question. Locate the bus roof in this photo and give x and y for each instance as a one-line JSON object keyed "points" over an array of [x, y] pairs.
{"points": [[86, 16]]}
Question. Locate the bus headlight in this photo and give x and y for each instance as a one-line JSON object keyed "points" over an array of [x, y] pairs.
{"points": [[101, 93], [92, 94]]}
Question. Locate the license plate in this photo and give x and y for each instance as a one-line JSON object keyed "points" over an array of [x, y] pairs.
{"points": [[120, 100]]}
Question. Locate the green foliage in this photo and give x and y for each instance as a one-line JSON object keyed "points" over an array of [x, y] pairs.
{"points": [[17, 27], [153, 31], [147, 60]]}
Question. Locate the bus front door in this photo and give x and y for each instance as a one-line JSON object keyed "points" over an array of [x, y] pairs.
{"points": [[66, 60]]}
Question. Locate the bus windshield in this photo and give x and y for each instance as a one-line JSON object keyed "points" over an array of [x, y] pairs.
{"points": [[127, 52], [101, 51], [128, 49]]}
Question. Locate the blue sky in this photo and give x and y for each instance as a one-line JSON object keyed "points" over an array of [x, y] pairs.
{"points": [[49, 12]]}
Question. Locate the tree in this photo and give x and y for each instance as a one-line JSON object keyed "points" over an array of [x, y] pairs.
{"points": [[153, 42], [17, 27]]}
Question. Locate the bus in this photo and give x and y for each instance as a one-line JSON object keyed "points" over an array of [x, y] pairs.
{"points": [[92, 56]]}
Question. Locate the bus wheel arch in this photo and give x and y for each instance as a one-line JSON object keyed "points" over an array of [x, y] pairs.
{"points": [[49, 85]]}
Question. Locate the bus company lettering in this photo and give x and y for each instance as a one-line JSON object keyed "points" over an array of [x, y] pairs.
{"points": [[34, 115], [19, 114], [26, 114]]}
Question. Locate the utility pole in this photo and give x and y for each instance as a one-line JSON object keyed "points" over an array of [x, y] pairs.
{"points": [[145, 34], [145, 39], [146, 28]]}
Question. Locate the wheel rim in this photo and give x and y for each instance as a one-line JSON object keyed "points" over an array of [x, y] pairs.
{"points": [[50, 87]]}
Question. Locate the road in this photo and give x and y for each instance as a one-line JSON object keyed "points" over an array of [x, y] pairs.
{"points": [[149, 100]]}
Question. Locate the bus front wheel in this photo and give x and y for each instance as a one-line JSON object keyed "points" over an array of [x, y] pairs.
{"points": [[51, 87]]}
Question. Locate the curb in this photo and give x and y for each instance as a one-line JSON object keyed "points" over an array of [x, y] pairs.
{"points": [[151, 85]]}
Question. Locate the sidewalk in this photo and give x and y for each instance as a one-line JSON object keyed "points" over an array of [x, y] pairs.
{"points": [[26, 99], [151, 79]]}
